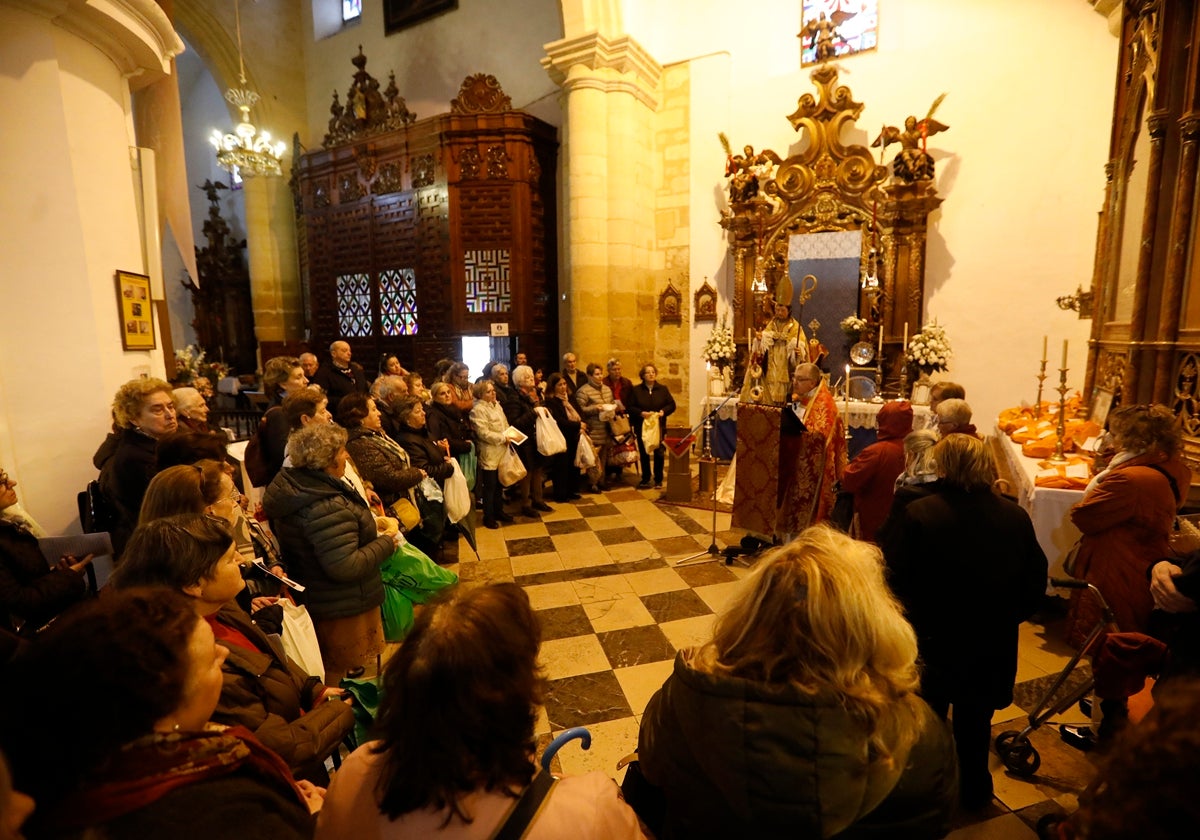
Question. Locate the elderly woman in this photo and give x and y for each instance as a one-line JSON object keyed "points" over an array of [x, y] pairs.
{"points": [[152, 766], [563, 471], [456, 746], [592, 398], [143, 412], [650, 402], [32, 592], [263, 690], [382, 461], [964, 538], [332, 545], [954, 417], [191, 410], [522, 412], [282, 376], [458, 377], [1126, 517], [489, 422], [805, 703], [431, 457], [446, 422], [917, 481], [871, 475]]}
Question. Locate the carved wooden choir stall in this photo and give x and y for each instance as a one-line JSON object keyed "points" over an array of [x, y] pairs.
{"points": [[414, 233]]}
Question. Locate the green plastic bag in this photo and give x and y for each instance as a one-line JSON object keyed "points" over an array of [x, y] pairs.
{"points": [[409, 577], [367, 694], [469, 462]]}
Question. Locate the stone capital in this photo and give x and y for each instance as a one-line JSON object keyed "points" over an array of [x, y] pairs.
{"points": [[609, 64]]}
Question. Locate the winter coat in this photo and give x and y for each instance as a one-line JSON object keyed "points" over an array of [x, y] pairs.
{"points": [[383, 462], [570, 428], [588, 399], [330, 541], [1126, 521], [449, 422], [489, 422], [424, 454], [521, 416], [338, 383], [740, 758], [871, 476], [275, 699], [124, 478], [30, 588], [642, 398], [621, 388], [968, 568]]}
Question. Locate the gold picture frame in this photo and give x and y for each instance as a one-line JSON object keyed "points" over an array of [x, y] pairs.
{"points": [[136, 310]]}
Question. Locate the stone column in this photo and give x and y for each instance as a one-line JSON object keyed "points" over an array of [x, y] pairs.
{"points": [[610, 87], [273, 262]]}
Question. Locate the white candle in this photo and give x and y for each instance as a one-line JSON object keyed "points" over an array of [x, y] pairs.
{"points": [[906, 336], [846, 413], [879, 355], [1044, 348], [1064, 364]]}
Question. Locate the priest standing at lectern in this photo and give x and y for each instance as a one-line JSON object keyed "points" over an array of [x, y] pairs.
{"points": [[812, 454], [782, 343]]}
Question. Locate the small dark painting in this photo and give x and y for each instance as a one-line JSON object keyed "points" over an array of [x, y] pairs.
{"points": [[401, 14]]}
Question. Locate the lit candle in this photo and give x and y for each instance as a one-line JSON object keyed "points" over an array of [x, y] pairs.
{"points": [[846, 414], [1064, 364], [1043, 348]]}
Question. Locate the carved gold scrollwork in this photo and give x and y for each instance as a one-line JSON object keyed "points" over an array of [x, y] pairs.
{"points": [[497, 162], [480, 94], [349, 188], [1186, 404], [388, 180], [423, 170], [468, 163]]}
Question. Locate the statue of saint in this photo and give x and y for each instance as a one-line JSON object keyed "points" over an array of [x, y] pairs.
{"points": [[913, 163]]}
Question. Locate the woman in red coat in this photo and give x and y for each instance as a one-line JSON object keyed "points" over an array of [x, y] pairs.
{"points": [[1126, 517], [872, 475]]}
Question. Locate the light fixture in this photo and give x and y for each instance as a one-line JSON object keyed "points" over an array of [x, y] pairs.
{"points": [[246, 151]]}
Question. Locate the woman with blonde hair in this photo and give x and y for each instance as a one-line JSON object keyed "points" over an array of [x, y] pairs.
{"points": [[966, 564], [801, 716]]}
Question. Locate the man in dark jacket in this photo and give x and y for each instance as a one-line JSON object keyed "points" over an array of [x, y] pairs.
{"points": [[341, 376]]}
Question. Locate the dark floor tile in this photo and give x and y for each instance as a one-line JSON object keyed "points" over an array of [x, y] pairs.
{"points": [[1063, 769], [636, 646], [529, 545], [588, 698], [567, 575], [1033, 813], [624, 495], [681, 519], [706, 574], [675, 547], [647, 565], [564, 622], [671, 606], [616, 536], [1029, 694], [541, 742], [605, 509], [567, 526]]}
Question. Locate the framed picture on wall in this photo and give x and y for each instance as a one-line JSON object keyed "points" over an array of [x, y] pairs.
{"points": [[136, 311], [401, 14]]}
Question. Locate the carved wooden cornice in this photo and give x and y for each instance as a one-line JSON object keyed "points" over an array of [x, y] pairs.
{"points": [[480, 94], [607, 64], [367, 112]]}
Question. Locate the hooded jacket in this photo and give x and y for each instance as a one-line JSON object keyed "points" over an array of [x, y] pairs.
{"points": [[740, 758], [329, 540], [871, 476]]}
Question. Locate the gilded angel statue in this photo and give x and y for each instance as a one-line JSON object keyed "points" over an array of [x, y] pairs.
{"points": [[747, 170], [913, 163], [823, 31]]}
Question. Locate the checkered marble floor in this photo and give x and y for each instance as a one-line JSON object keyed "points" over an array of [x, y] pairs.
{"points": [[614, 610]]}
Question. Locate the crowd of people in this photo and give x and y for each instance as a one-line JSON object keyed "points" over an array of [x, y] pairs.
{"points": [[846, 690]]}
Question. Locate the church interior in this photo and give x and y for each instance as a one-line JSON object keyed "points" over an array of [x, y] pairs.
{"points": [[649, 182]]}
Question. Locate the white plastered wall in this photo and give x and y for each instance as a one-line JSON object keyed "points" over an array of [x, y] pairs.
{"points": [[69, 216]]}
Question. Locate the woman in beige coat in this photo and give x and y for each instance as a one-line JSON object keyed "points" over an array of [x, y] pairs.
{"points": [[489, 422]]}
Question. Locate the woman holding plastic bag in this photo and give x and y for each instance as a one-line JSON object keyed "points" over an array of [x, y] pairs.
{"points": [[489, 422], [649, 405], [563, 472], [447, 421], [409, 577]]}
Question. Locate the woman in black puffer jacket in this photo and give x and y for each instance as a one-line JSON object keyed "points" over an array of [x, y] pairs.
{"points": [[331, 542]]}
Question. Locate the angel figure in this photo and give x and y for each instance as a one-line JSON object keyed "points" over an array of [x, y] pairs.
{"points": [[913, 163], [746, 170], [822, 32]]}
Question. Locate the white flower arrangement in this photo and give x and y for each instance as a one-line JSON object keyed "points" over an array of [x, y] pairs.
{"points": [[930, 349], [852, 325], [720, 349], [192, 369]]}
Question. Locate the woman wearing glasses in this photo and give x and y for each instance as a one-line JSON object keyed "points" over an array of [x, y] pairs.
{"points": [[264, 691]]}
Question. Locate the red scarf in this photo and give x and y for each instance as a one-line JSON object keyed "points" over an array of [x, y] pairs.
{"points": [[149, 768]]}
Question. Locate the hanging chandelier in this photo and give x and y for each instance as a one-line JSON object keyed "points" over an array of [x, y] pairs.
{"points": [[246, 151]]}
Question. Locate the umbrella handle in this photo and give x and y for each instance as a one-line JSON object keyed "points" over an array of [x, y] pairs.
{"points": [[571, 734]]}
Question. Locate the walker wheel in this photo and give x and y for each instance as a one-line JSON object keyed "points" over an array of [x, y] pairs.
{"points": [[1019, 756]]}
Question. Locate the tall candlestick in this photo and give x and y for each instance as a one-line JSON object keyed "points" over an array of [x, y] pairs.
{"points": [[1064, 364]]}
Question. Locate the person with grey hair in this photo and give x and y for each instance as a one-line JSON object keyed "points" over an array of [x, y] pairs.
{"points": [[954, 417], [388, 390], [341, 376], [522, 412], [310, 363], [333, 546], [191, 411], [571, 373]]}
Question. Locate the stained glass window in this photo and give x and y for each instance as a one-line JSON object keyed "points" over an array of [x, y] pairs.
{"points": [[354, 305], [849, 26], [488, 288], [351, 9], [398, 301]]}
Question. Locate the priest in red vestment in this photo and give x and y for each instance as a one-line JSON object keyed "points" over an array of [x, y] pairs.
{"points": [[812, 454]]}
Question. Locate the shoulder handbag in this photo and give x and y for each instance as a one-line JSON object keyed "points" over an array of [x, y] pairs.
{"points": [[527, 807], [407, 513], [619, 426]]}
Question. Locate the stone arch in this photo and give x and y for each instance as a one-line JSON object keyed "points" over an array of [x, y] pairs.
{"points": [[580, 17]]}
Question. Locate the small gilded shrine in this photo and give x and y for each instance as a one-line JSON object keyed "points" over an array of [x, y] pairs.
{"points": [[414, 232], [825, 233]]}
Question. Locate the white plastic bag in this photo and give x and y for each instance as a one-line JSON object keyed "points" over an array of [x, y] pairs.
{"points": [[585, 453], [511, 469], [430, 490], [550, 440], [457, 495], [300, 638], [651, 434]]}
